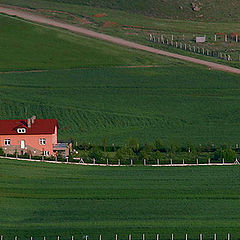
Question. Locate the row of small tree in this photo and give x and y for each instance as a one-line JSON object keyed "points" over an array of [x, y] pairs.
{"points": [[132, 149]]}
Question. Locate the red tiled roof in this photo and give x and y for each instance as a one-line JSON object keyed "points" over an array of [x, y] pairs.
{"points": [[40, 126]]}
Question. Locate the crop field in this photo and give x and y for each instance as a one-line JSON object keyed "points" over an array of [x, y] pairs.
{"points": [[175, 102], [40, 199], [26, 46]]}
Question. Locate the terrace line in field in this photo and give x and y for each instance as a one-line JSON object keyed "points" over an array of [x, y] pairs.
{"points": [[34, 137]]}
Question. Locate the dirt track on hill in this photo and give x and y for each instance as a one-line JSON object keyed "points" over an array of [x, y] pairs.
{"points": [[44, 20]]}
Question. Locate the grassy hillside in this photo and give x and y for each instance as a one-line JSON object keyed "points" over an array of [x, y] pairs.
{"points": [[117, 23], [40, 199], [214, 10], [26, 46], [174, 102]]}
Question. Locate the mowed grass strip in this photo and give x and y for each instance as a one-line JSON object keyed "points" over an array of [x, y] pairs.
{"points": [[178, 103], [26, 46], [40, 199]]}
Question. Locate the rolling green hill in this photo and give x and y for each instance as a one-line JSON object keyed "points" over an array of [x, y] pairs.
{"points": [[26, 46], [175, 102], [214, 10], [40, 199]]}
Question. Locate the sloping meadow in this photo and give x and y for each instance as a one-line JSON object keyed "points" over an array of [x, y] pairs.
{"points": [[175, 102]]}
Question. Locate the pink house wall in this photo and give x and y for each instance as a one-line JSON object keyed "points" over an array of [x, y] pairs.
{"points": [[32, 140]]}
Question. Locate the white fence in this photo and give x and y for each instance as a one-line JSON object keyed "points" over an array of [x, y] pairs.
{"points": [[130, 236], [80, 161], [192, 48]]}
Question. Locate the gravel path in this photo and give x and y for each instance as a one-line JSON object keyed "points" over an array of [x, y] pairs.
{"points": [[44, 20]]}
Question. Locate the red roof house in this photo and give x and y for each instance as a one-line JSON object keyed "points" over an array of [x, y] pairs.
{"points": [[29, 136]]}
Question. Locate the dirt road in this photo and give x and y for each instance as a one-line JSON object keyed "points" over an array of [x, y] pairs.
{"points": [[44, 20]]}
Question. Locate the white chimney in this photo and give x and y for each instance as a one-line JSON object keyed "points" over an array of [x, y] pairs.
{"points": [[29, 122], [33, 119]]}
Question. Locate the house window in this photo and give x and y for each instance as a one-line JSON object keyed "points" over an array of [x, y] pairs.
{"points": [[42, 141], [21, 130], [46, 153], [7, 142]]}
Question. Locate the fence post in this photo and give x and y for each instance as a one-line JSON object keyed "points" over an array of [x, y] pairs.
{"points": [[228, 236], [119, 162], [157, 161], [197, 161], [144, 162], [100, 237], [225, 38], [201, 237], [72, 238], [186, 237], [107, 161], [86, 238], [131, 162], [172, 237], [157, 237], [171, 161], [44, 238], [116, 237], [16, 237], [59, 238], [223, 161], [215, 236], [31, 238], [129, 237], [94, 161], [1, 237], [209, 160], [143, 237]]}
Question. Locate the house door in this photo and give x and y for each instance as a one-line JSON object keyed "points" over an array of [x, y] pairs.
{"points": [[22, 144]]}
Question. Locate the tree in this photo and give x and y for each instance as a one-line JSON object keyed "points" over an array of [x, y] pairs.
{"points": [[95, 153], [133, 143], [159, 145], [125, 153], [227, 153], [104, 143]]}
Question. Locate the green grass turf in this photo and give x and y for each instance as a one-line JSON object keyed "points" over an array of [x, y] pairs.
{"points": [[40, 199], [215, 10], [27, 46], [177, 102], [177, 27]]}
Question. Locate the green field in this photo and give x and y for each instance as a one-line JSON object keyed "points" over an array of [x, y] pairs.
{"points": [[216, 18], [215, 10], [40, 199], [175, 102], [26, 46]]}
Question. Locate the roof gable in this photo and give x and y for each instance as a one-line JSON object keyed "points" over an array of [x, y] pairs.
{"points": [[40, 126]]}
